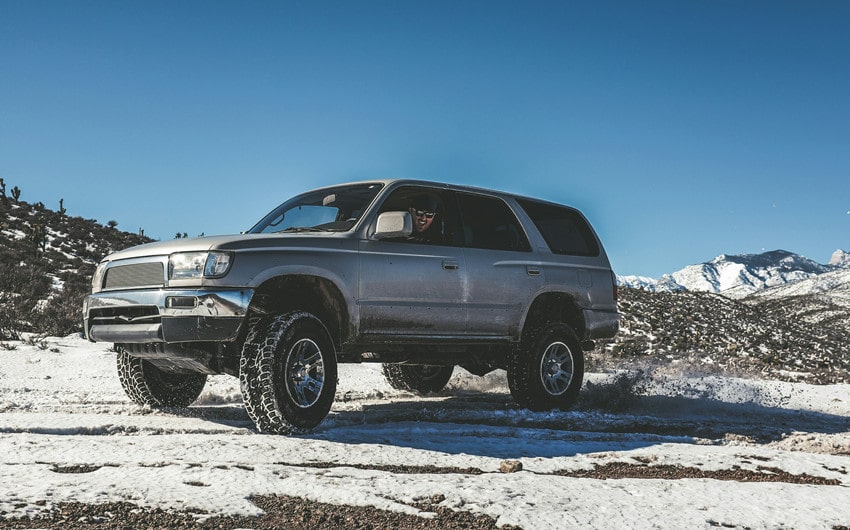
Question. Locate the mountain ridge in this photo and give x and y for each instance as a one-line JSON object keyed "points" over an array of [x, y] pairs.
{"points": [[737, 276]]}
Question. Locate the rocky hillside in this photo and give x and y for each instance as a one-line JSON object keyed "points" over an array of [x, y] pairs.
{"points": [[706, 333], [46, 261], [823, 300]]}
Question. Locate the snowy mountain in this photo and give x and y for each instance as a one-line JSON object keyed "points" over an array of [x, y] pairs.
{"points": [[638, 282], [833, 285], [840, 259], [741, 275], [737, 276]]}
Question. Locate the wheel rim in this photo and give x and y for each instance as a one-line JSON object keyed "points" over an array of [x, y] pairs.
{"points": [[556, 368], [305, 373]]}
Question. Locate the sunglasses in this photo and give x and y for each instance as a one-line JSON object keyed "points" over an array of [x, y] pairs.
{"points": [[423, 213]]}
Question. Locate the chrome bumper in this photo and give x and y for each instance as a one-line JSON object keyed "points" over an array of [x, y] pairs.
{"points": [[165, 315]]}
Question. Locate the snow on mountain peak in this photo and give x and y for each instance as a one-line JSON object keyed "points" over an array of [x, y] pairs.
{"points": [[739, 275], [840, 259]]}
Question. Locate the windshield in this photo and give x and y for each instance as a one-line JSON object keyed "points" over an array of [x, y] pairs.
{"points": [[328, 210]]}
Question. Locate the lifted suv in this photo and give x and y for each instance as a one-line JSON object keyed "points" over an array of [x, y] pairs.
{"points": [[419, 276]]}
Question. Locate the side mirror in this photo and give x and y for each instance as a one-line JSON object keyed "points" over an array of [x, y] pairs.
{"points": [[393, 224]]}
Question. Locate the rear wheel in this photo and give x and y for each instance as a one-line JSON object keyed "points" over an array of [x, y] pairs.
{"points": [[417, 378], [147, 385], [547, 369], [288, 373]]}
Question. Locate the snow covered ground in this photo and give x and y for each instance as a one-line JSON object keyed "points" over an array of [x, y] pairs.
{"points": [[698, 451]]}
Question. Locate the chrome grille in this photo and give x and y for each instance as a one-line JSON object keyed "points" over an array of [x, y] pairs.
{"points": [[135, 275]]}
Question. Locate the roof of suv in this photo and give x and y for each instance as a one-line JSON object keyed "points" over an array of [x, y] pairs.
{"points": [[445, 185]]}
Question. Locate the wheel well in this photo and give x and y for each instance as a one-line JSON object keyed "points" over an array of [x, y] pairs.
{"points": [[555, 307], [313, 294]]}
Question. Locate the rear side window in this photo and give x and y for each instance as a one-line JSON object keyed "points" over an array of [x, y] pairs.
{"points": [[564, 229], [489, 223]]}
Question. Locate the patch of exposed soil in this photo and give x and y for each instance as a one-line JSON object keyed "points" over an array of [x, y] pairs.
{"points": [[620, 470], [281, 512]]}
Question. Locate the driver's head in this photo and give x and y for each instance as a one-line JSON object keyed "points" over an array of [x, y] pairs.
{"points": [[423, 209]]}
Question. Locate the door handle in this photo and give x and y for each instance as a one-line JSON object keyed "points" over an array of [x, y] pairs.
{"points": [[532, 271], [450, 264]]}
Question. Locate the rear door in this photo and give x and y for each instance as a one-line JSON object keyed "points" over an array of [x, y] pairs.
{"points": [[503, 272]]}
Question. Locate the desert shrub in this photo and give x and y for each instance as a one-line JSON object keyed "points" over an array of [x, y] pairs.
{"points": [[21, 288]]}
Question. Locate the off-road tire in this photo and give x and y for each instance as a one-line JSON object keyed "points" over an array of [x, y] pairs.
{"points": [[546, 370], [417, 378], [288, 373], [257, 331], [147, 385]]}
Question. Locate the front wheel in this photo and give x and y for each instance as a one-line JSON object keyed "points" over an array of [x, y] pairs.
{"points": [[417, 378], [547, 369], [149, 386], [288, 373]]}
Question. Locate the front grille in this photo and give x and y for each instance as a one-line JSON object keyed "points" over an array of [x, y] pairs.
{"points": [[125, 315], [135, 275]]}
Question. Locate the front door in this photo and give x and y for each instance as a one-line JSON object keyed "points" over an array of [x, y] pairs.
{"points": [[414, 287]]}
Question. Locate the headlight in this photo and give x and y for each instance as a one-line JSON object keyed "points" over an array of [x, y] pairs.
{"points": [[194, 265]]}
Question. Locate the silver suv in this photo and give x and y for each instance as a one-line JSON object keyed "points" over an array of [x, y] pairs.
{"points": [[418, 276]]}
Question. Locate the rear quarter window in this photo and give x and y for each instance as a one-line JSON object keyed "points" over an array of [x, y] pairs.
{"points": [[489, 223], [564, 229]]}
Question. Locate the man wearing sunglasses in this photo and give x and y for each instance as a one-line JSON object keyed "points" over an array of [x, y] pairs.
{"points": [[424, 210]]}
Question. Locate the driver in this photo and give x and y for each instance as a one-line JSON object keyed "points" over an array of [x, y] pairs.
{"points": [[427, 227]]}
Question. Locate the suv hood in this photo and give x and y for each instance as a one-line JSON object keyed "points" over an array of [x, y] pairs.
{"points": [[228, 242]]}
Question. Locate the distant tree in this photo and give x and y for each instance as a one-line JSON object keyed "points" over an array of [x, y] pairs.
{"points": [[185, 235], [178, 235], [38, 237], [141, 232], [3, 191], [16, 193], [112, 223], [62, 209]]}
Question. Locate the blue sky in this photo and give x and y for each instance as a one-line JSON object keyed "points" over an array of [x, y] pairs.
{"points": [[683, 130]]}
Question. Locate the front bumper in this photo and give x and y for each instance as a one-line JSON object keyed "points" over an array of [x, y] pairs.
{"points": [[165, 315]]}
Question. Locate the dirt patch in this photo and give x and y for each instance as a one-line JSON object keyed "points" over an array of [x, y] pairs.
{"points": [[281, 512], [81, 468], [399, 469], [621, 470]]}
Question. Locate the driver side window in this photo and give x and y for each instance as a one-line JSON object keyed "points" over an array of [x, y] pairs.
{"points": [[432, 211]]}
